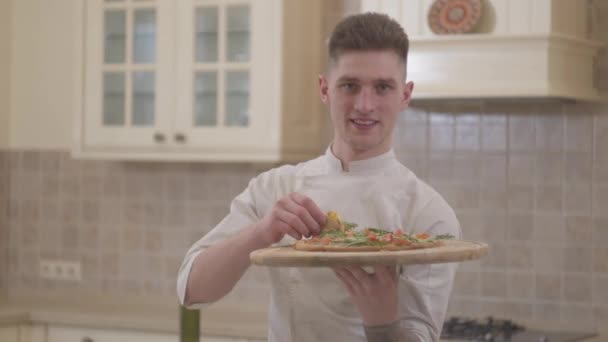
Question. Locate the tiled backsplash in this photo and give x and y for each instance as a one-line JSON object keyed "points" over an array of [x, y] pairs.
{"points": [[531, 179]]}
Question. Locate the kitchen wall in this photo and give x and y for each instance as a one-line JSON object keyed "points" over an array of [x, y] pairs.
{"points": [[4, 115], [529, 177]]}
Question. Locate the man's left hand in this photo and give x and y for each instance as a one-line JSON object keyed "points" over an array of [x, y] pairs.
{"points": [[374, 294]]}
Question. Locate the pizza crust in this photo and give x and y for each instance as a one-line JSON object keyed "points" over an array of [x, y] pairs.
{"points": [[317, 246]]}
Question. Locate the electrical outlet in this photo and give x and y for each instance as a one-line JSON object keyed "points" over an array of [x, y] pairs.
{"points": [[60, 270]]}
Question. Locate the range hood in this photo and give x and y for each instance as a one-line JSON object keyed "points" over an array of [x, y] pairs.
{"points": [[520, 49]]}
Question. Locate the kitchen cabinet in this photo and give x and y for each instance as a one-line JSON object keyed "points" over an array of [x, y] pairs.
{"points": [[209, 80], [61, 333], [552, 50]]}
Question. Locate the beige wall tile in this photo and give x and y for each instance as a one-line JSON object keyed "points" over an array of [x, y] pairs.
{"points": [[577, 198], [577, 288], [520, 286], [549, 198], [522, 168], [550, 131], [493, 136], [521, 198], [441, 137], [578, 259], [579, 129], [522, 132], [548, 258], [412, 137], [600, 200], [578, 231], [521, 227], [600, 260], [580, 315], [497, 256], [600, 294], [548, 286], [467, 283], [578, 166], [467, 137], [520, 256], [549, 168]]}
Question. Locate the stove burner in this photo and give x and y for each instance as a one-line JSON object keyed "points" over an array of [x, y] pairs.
{"points": [[488, 330]]}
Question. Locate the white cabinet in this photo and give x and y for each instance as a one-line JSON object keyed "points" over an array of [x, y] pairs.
{"points": [[538, 49], [57, 333], [215, 80]]}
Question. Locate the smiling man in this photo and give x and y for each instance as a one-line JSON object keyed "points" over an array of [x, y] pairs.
{"points": [[365, 90]]}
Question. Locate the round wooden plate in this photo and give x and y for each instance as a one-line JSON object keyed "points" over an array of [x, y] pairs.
{"points": [[454, 16], [452, 251]]}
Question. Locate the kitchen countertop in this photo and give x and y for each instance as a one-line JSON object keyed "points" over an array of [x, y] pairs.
{"points": [[139, 314], [142, 314]]}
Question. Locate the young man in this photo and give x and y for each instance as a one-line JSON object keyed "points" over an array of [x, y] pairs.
{"points": [[365, 90]]}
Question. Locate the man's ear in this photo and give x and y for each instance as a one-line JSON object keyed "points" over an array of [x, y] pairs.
{"points": [[407, 94], [323, 88]]}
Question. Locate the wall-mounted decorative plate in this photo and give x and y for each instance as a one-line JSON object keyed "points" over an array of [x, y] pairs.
{"points": [[454, 16]]}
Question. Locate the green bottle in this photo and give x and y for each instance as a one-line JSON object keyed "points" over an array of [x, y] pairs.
{"points": [[189, 328]]}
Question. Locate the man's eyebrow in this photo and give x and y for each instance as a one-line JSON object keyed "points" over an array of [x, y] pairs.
{"points": [[386, 80], [347, 79]]}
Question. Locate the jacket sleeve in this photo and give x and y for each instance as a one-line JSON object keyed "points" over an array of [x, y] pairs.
{"points": [[424, 290], [245, 209]]}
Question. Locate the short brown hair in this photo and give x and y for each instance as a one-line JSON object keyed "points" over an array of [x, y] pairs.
{"points": [[368, 32]]}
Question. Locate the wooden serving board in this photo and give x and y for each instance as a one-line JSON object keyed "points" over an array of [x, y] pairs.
{"points": [[452, 251]]}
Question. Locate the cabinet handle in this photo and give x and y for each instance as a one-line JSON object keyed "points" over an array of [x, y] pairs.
{"points": [[180, 138], [159, 137], [87, 339]]}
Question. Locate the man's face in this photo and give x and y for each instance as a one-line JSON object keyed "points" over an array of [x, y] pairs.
{"points": [[365, 92]]}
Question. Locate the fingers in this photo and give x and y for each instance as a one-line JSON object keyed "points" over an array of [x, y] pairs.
{"points": [[293, 222], [286, 229], [317, 214], [386, 273], [352, 284], [302, 213]]}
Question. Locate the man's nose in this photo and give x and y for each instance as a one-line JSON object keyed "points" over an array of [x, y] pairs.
{"points": [[365, 101]]}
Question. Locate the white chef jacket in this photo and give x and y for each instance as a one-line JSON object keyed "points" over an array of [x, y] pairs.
{"points": [[311, 304]]}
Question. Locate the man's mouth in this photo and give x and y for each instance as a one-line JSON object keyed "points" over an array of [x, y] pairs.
{"points": [[363, 123]]}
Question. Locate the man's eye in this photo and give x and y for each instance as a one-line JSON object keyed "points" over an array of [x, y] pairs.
{"points": [[349, 86], [381, 88]]}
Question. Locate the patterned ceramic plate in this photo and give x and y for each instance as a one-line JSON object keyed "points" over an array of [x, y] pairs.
{"points": [[454, 16]]}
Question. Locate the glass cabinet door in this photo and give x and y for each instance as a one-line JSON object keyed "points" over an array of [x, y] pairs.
{"points": [[129, 70], [221, 65]]}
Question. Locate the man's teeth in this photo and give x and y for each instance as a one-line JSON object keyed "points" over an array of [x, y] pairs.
{"points": [[364, 122]]}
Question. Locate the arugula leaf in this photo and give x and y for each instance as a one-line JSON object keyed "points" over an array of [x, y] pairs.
{"points": [[378, 231], [349, 225], [443, 237]]}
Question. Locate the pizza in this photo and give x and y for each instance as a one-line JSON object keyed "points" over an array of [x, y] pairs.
{"points": [[339, 236]]}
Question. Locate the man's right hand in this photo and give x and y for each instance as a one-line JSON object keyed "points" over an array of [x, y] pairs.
{"points": [[295, 215]]}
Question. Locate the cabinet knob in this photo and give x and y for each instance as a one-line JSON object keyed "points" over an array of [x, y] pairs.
{"points": [[159, 137], [87, 339], [180, 138]]}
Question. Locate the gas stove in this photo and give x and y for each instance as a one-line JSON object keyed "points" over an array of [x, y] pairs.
{"points": [[501, 330], [490, 329]]}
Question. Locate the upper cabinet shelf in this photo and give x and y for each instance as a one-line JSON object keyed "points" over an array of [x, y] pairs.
{"points": [[520, 49]]}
